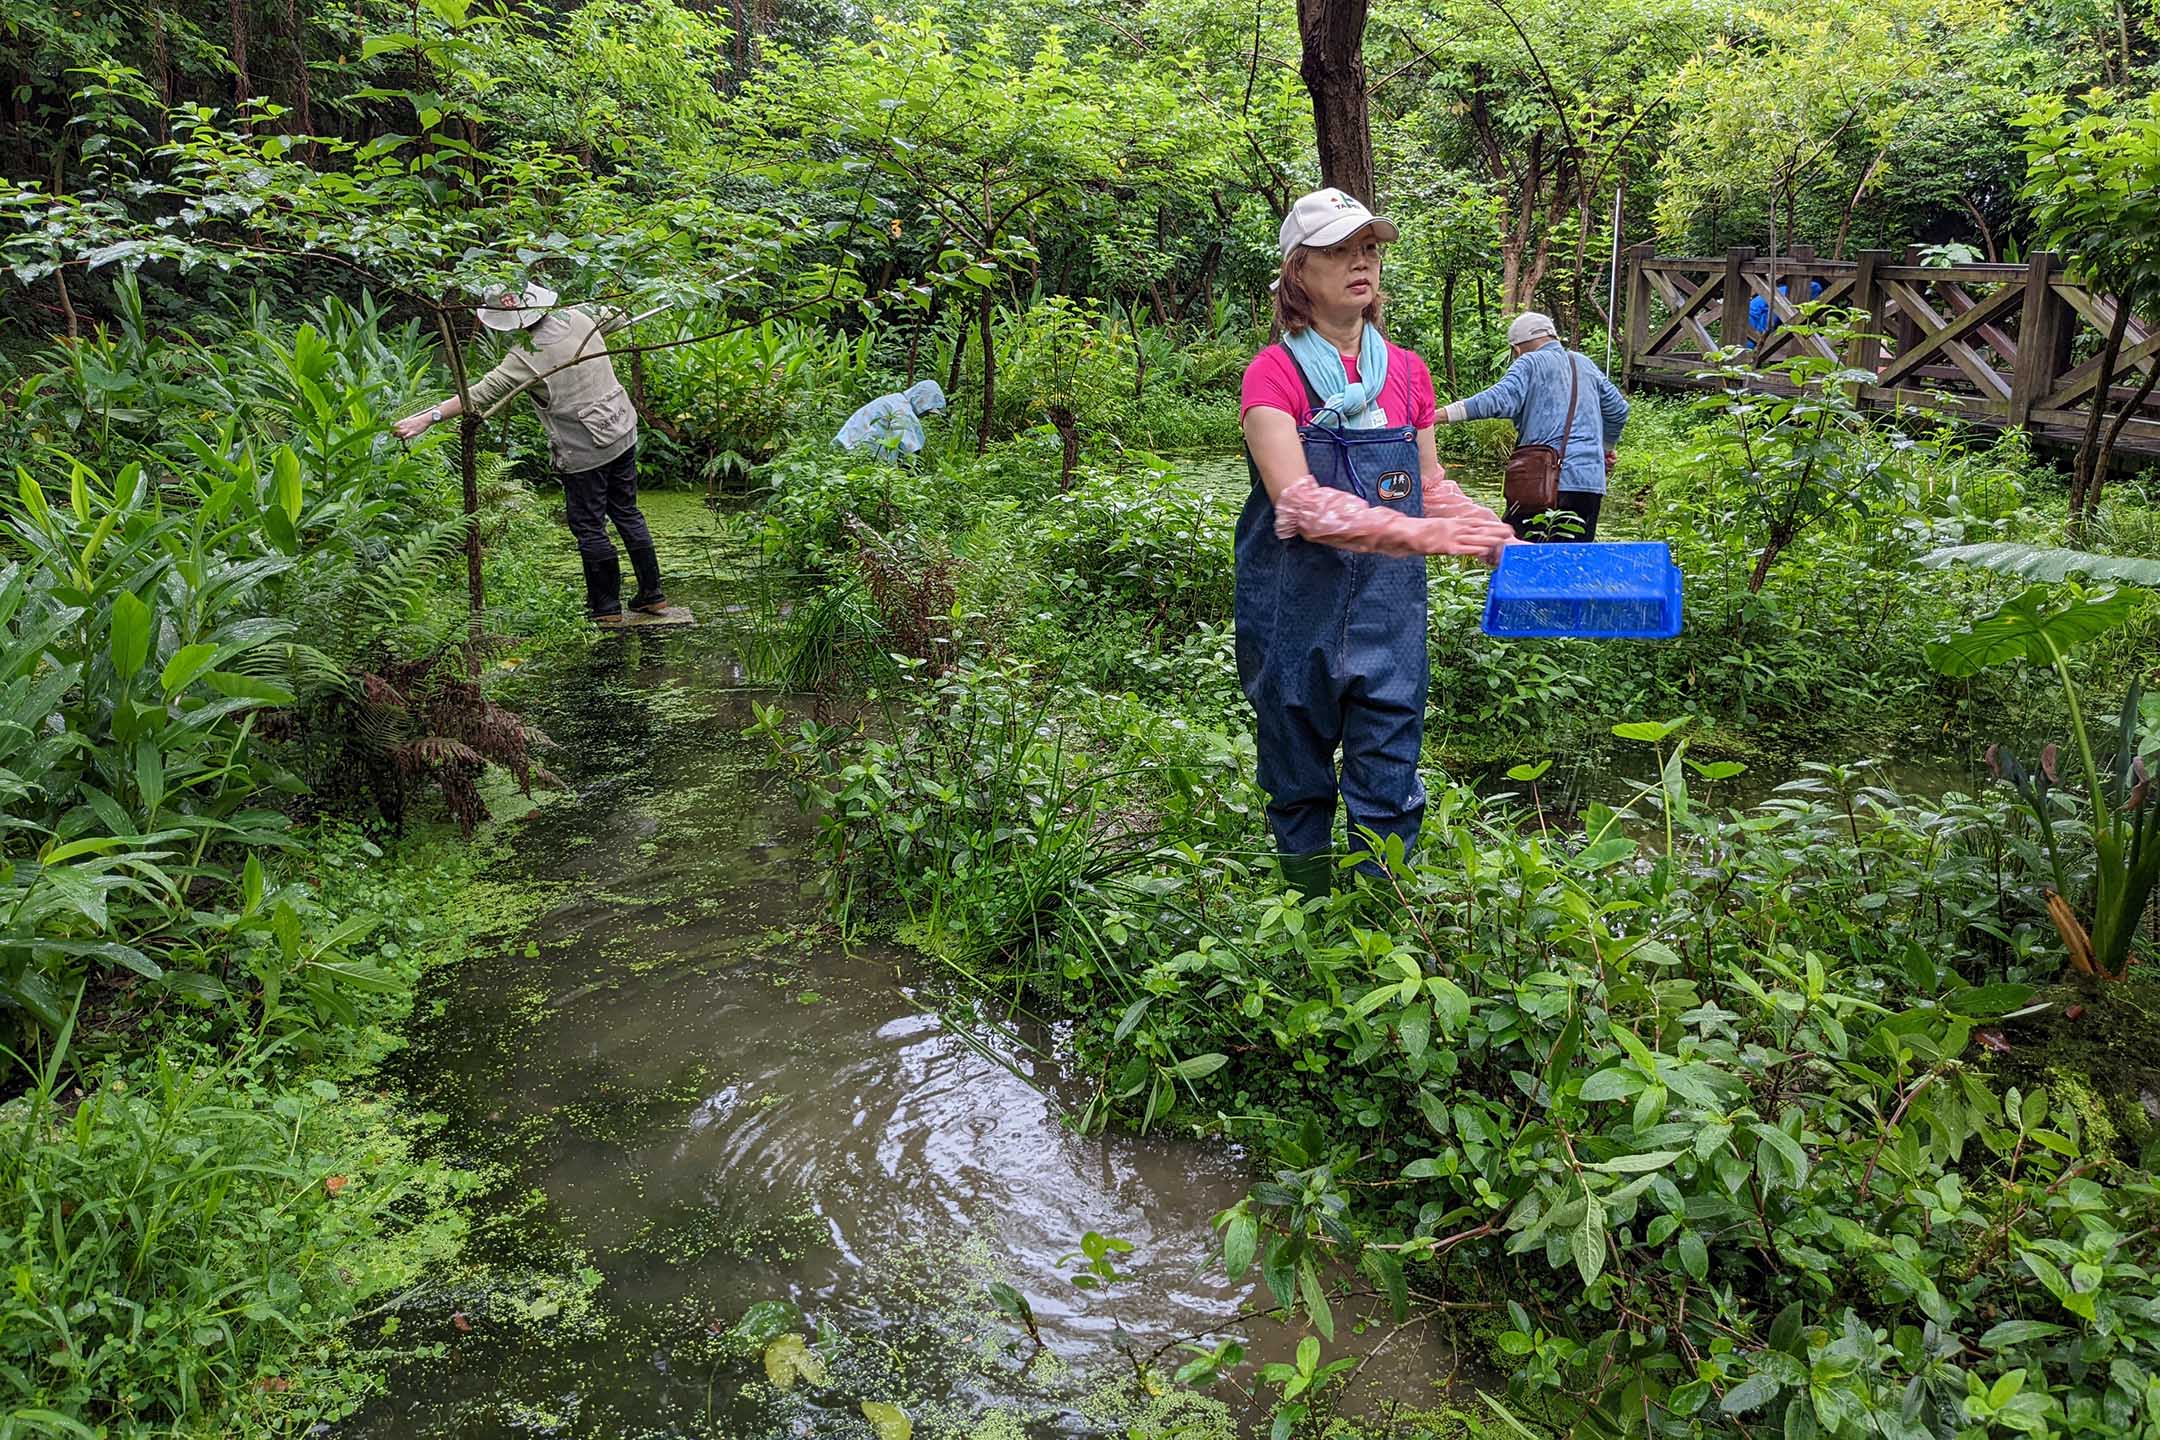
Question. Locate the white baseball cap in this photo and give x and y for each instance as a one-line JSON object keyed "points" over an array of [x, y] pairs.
{"points": [[509, 307], [1326, 216], [1530, 325]]}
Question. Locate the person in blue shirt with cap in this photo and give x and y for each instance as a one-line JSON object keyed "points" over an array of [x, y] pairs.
{"points": [[1543, 384]]}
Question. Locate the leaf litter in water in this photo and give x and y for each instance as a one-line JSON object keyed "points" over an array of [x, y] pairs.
{"points": [[788, 1359], [890, 1421]]}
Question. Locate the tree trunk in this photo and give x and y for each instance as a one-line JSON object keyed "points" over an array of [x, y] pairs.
{"points": [[1333, 35], [161, 71], [469, 477], [67, 303], [1139, 362], [2106, 457], [739, 42], [1068, 429], [1202, 294], [989, 364], [959, 358], [1763, 564], [238, 12], [2085, 482], [1485, 335], [303, 90], [914, 346], [1447, 331]]}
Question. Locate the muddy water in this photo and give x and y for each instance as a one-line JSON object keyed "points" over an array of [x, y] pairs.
{"points": [[689, 1091]]}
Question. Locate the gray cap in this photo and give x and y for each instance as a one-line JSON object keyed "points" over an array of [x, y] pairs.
{"points": [[1530, 325]]}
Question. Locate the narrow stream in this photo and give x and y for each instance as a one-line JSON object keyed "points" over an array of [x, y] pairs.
{"points": [[681, 1081]]}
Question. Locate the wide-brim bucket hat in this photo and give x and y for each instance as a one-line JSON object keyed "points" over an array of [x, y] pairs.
{"points": [[513, 307]]}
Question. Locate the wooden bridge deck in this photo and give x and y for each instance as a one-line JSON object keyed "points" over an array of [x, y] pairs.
{"points": [[1997, 345]]}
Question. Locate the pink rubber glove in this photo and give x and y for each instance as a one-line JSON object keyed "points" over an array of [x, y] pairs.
{"points": [[1312, 511], [1445, 500]]}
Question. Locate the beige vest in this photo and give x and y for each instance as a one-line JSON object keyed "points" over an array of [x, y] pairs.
{"points": [[563, 364]]}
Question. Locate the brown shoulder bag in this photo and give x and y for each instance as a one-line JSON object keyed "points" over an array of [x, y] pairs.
{"points": [[1532, 480]]}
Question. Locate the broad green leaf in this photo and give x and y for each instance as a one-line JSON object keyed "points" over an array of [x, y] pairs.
{"points": [[1788, 1150], [1451, 1007], [2050, 563], [1694, 1255], [2036, 625], [285, 483], [1988, 1002], [1278, 1268], [1315, 1296], [1750, 1394], [1195, 1066], [1605, 853], [247, 687], [2018, 1332], [1240, 1239], [186, 663], [1637, 1164], [766, 1322], [1587, 1241], [1648, 730], [1614, 1083], [130, 634]]}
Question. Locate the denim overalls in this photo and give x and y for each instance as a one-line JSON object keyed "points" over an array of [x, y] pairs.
{"points": [[1331, 649]]}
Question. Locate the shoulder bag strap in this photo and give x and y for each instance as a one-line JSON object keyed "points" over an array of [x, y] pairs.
{"points": [[1574, 393]]}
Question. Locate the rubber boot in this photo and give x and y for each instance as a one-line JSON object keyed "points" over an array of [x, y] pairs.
{"points": [[603, 585], [1312, 876], [649, 598]]}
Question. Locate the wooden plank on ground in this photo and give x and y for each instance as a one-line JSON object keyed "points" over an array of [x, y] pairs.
{"points": [[673, 615]]}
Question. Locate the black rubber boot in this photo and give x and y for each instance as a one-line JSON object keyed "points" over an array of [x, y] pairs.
{"points": [[1312, 876], [603, 584], [650, 598]]}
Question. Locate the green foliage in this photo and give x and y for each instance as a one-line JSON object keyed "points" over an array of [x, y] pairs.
{"points": [[189, 1239], [979, 819], [1801, 450], [2042, 627], [1727, 1082], [736, 397]]}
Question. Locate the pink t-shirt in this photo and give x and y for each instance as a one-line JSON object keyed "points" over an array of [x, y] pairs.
{"points": [[1407, 397]]}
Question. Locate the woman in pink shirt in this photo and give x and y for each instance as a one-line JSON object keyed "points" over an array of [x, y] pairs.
{"points": [[1348, 498]]}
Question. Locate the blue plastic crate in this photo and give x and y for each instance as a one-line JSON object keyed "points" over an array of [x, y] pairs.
{"points": [[1606, 591]]}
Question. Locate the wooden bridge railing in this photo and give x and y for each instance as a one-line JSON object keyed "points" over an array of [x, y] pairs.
{"points": [[2001, 345]]}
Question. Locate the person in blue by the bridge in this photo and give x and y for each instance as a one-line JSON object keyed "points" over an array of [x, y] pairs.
{"points": [[1760, 322]]}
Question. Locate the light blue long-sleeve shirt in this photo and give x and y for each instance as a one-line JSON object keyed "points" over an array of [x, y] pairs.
{"points": [[1534, 394]]}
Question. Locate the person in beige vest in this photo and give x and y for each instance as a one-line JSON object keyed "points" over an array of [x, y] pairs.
{"points": [[559, 356]]}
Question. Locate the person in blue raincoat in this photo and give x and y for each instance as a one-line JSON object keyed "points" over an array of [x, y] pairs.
{"points": [[1348, 498], [892, 424]]}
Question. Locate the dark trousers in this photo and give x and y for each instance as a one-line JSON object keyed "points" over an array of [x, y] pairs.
{"points": [[1553, 526], [593, 497]]}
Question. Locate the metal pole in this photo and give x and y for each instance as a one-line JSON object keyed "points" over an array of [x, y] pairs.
{"points": [[1612, 285]]}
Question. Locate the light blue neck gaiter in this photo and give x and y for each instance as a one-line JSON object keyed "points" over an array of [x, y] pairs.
{"points": [[1357, 405]]}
